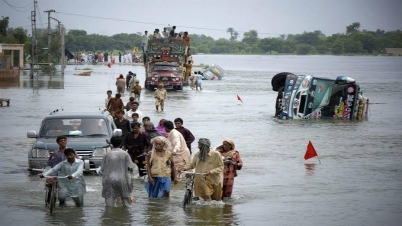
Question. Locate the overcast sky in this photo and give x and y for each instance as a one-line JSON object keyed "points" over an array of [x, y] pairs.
{"points": [[210, 17]]}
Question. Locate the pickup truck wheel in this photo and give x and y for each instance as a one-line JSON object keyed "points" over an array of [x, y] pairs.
{"points": [[179, 87]]}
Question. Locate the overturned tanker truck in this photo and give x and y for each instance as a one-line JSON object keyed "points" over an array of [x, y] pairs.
{"points": [[312, 97]]}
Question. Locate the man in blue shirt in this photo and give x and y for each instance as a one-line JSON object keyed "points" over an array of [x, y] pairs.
{"points": [[58, 156], [71, 180]]}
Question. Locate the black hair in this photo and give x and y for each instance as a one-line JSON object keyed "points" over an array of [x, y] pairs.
{"points": [[174, 27], [132, 99], [118, 95], [60, 138], [168, 124], [135, 114], [146, 117], [120, 111], [179, 120], [109, 91], [116, 141], [134, 124], [135, 102], [69, 151]]}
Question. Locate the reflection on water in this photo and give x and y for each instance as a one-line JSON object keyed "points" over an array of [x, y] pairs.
{"points": [[42, 81], [69, 215], [214, 214], [116, 216], [309, 169]]}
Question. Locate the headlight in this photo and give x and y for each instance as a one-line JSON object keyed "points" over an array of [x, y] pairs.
{"points": [[99, 152], [40, 153]]}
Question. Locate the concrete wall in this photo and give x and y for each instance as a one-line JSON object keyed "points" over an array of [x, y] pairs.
{"points": [[9, 74]]}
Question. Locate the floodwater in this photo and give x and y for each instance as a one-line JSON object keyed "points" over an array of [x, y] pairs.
{"points": [[359, 180]]}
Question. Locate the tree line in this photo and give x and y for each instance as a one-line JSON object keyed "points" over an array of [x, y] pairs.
{"points": [[353, 42]]}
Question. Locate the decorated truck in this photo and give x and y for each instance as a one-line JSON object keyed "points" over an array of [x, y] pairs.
{"points": [[164, 59]]}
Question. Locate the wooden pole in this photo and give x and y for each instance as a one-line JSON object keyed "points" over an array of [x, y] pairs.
{"points": [[319, 159]]}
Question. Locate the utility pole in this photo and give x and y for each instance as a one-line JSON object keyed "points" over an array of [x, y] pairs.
{"points": [[63, 47], [34, 42], [49, 34]]}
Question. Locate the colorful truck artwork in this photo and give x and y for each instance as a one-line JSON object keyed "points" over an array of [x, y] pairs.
{"points": [[312, 97]]}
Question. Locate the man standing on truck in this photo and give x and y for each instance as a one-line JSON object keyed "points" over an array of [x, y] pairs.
{"points": [[172, 32], [186, 40], [144, 41]]}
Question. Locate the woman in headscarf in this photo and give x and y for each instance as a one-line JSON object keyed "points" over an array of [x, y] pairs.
{"points": [[161, 128], [160, 169], [233, 162], [150, 130]]}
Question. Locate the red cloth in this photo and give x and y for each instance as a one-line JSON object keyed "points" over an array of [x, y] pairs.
{"points": [[310, 152]]}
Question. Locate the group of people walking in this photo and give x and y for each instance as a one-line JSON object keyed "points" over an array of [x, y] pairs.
{"points": [[161, 153]]}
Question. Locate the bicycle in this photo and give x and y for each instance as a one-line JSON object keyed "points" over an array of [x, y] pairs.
{"points": [[51, 187], [188, 196], [144, 169]]}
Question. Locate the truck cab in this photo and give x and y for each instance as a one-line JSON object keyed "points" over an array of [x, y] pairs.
{"points": [[163, 63]]}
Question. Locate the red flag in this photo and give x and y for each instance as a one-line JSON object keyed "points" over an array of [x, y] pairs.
{"points": [[310, 152], [108, 65], [238, 98]]}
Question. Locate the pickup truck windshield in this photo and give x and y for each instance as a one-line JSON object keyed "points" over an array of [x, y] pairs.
{"points": [[78, 126]]}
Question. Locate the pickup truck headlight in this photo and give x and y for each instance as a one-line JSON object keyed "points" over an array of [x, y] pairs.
{"points": [[40, 153], [100, 152]]}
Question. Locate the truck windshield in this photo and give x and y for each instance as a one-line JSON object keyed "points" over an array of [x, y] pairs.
{"points": [[164, 68]]}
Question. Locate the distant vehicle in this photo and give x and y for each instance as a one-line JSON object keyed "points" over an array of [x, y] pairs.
{"points": [[87, 133], [312, 97], [163, 63], [214, 72]]}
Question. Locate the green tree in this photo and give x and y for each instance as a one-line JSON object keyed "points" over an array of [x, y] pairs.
{"points": [[4, 25], [289, 46], [203, 49], [353, 28], [337, 47], [19, 34], [250, 37], [270, 44], [310, 38], [304, 49], [74, 32]]}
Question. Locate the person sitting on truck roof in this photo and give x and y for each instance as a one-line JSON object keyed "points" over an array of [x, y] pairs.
{"points": [[157, 34], [165, 33]]}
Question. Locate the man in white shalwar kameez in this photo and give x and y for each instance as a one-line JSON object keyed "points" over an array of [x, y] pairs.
{"points": [[116, 179], [179, 149]]}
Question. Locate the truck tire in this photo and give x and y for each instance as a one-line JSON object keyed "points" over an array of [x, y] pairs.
{"points": [[279, 80]]}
